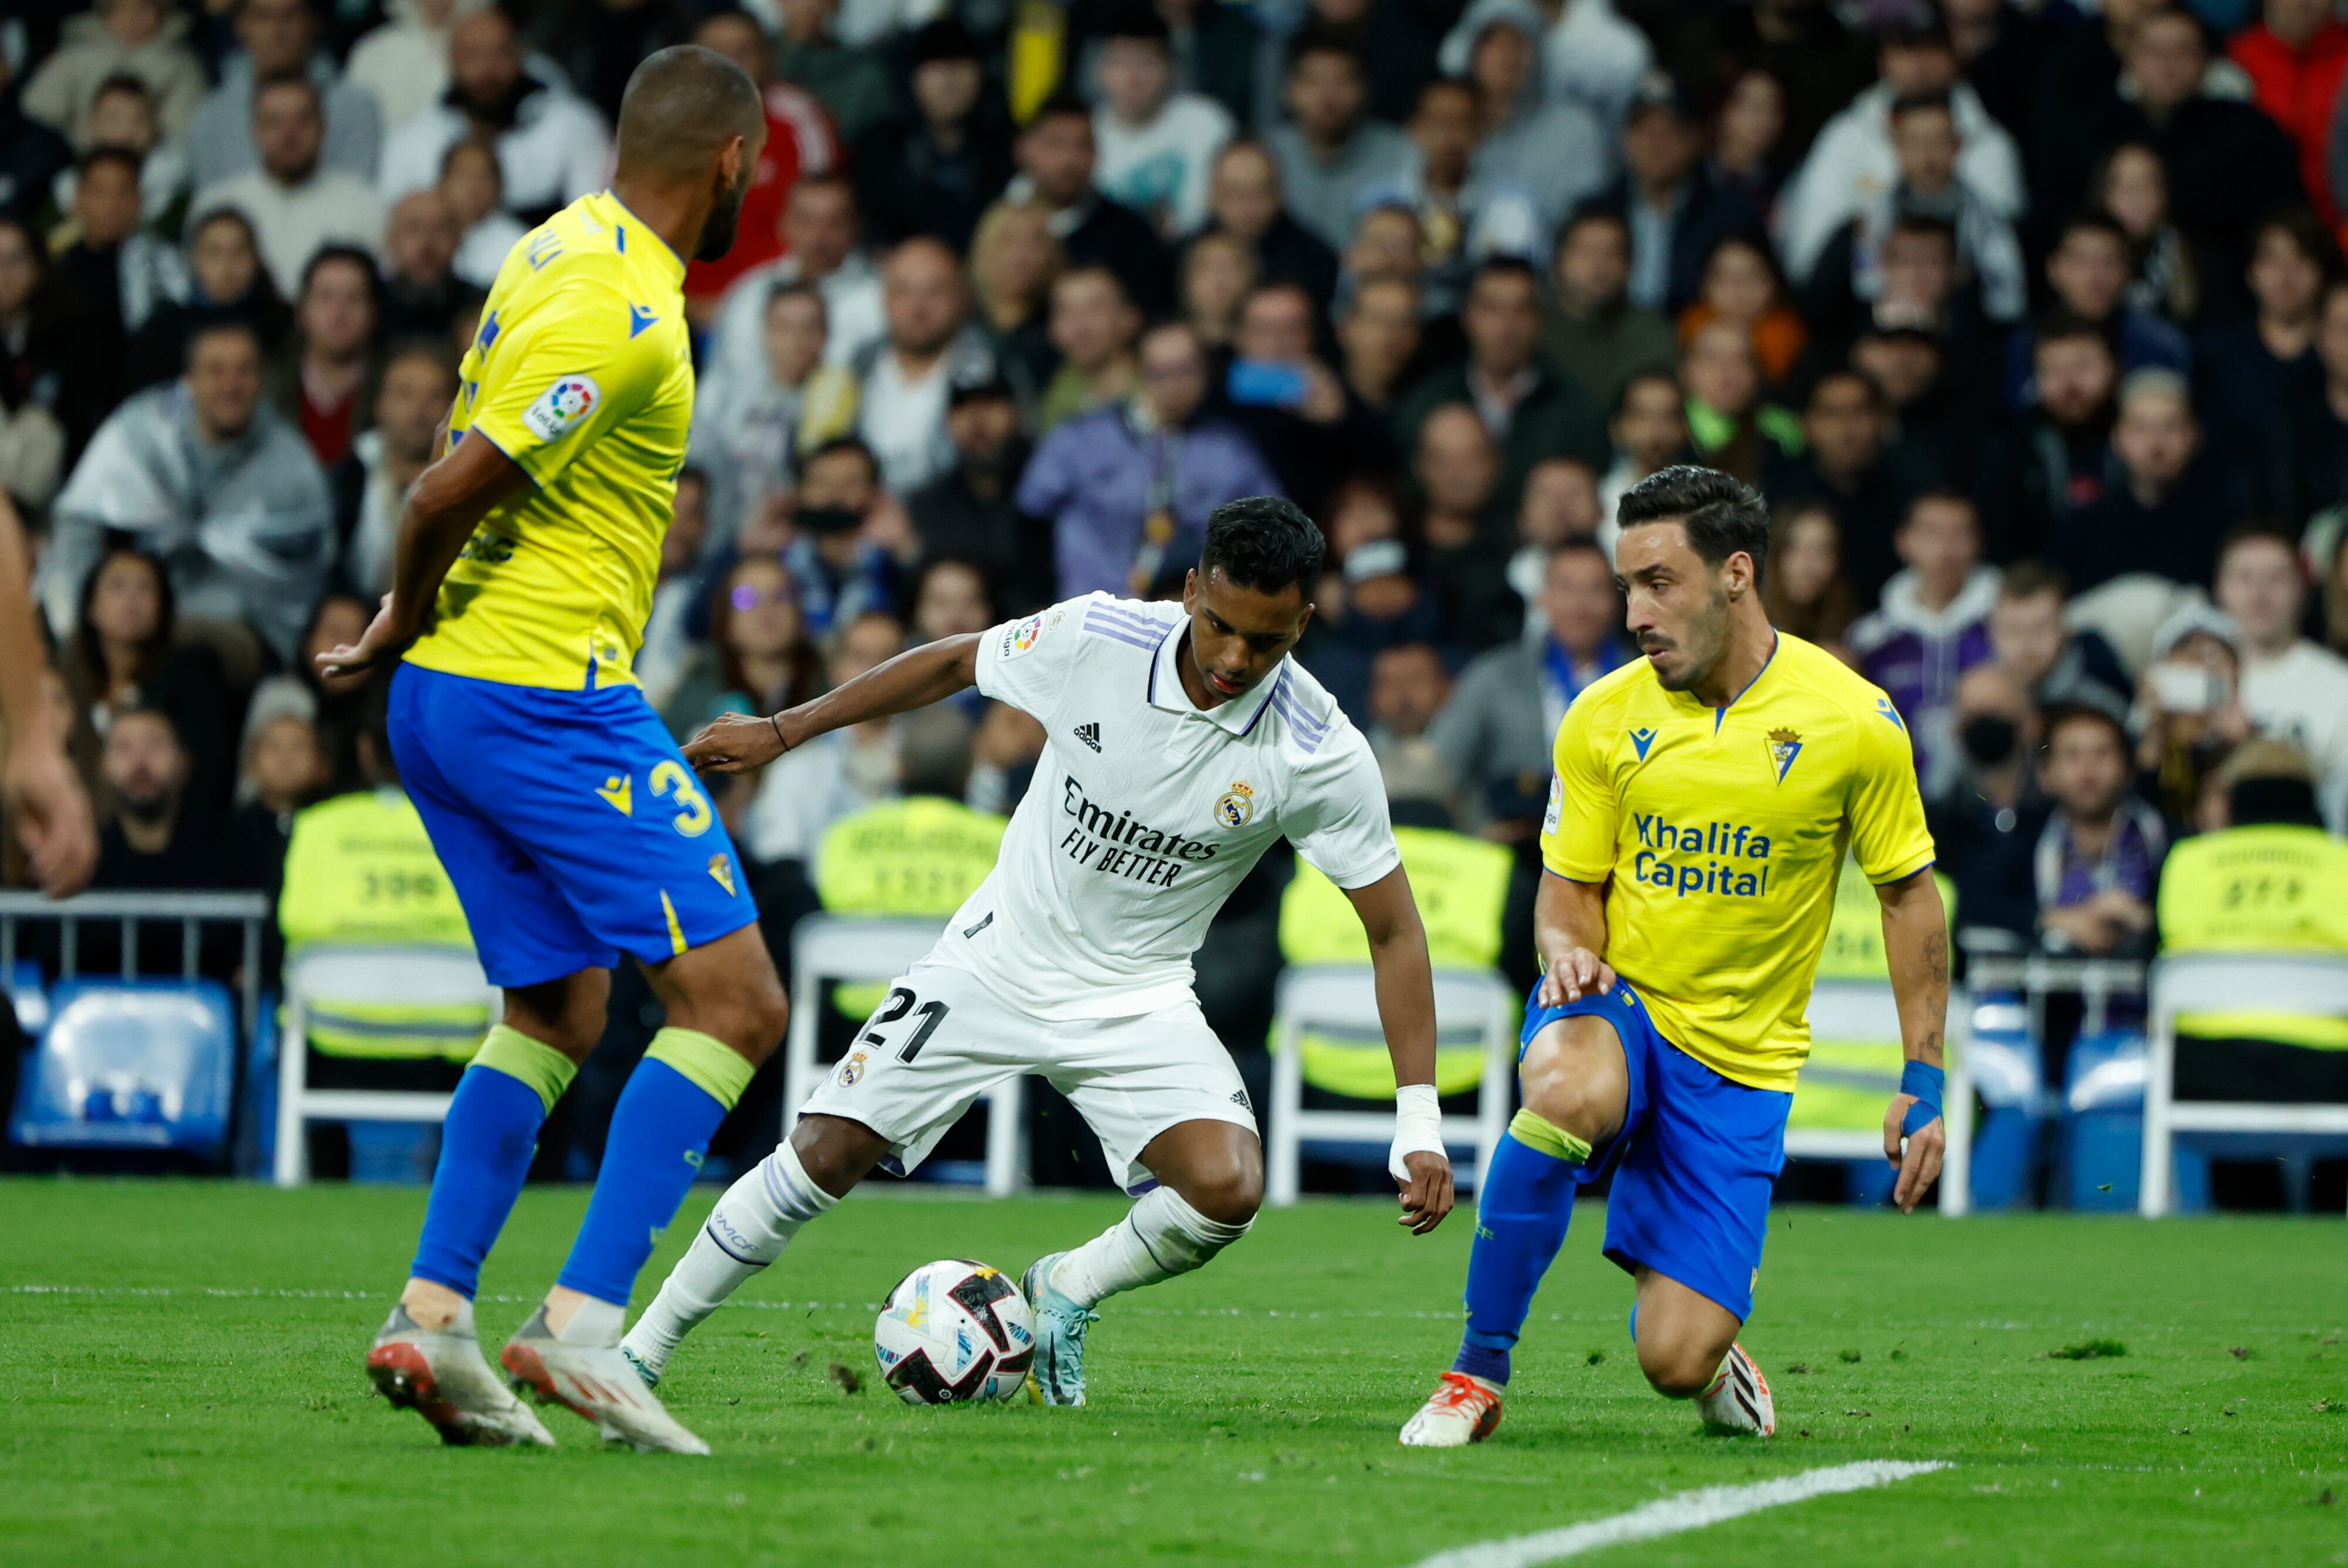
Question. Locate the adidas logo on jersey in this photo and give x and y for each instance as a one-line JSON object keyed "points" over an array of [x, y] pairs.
{"points": [[1090, 734]]}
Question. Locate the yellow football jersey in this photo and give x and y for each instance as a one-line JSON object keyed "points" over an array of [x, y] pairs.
{"points": [[1720, 833], [582, 373]]}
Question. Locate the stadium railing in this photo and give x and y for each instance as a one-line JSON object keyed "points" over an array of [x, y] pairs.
{"points": [[843, 950], [250, 912], [322, 980], [2308, 984], [1341, 999]]}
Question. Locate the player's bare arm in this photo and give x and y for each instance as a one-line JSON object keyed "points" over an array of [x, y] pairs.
{"points": [[1916, 944], [914, 679], [1569, 934], [450, 498], [1406, 987], [44, 798]]}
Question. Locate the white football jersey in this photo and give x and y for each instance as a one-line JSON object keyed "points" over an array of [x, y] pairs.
{"points": [[1146, 812]]}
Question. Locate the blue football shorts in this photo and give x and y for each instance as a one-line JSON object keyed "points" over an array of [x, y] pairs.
{"points": [[1695, 1163], [569, 823]]}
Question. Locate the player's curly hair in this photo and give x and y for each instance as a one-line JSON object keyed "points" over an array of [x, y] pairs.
{"points": [[1265, 543], [1722, 516]]}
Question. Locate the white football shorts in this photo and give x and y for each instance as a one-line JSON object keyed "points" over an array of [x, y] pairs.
{"points": [[942, 1037]]}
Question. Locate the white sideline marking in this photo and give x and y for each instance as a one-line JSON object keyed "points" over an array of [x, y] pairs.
{"points": [[1671, 1515]]}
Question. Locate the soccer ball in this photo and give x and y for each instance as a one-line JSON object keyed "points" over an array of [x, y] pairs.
{"points": [[953, 1332]]}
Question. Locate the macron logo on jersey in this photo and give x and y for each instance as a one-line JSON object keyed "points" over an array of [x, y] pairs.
{"points": [[563, 406], [639, 319], [1643, 739]]}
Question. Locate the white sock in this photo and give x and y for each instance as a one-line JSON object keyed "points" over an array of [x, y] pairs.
{"points": [[746, 1232], [594, 1322], [1159, 1237]]}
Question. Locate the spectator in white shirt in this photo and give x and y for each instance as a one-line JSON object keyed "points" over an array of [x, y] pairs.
{"points": [[296, 202], [1589, 55], [552, 147], [820, 247], [1853, 162], [2292, 688], [405, 62], [749, 440], [473, 183], [1156, 145], [908, 375], [280, 39]]}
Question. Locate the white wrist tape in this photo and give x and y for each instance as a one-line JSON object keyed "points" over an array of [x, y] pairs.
{"points": [[1418, 1127]]}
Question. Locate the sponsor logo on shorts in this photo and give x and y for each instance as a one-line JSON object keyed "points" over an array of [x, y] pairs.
{"points": [[561, 406], [1235, 807], [617, 794]]}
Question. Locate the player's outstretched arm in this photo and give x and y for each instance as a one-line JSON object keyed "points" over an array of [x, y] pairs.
{"points": [[914, 679], [449, 498], [43, 799], [1405, 982], [1916, 944], [1569, 934]]}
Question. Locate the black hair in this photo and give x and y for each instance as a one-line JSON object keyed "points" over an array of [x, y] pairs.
{"points": [[294, 79], [123, 82], [130, 162], [1583, 216], [84, 647], [1875, 401], [1139, 22], [2262, 799], [213, 324], [2063, 323], [2061, 713], [1924, 223], [1265, 543], [2098, 222], [1504, 266], [1060, 105], [838, 444], [1579, 544], [1935, 99], [2304, 229], [1321, 40], [327, 255], [1722, 516], [1638, 378]]}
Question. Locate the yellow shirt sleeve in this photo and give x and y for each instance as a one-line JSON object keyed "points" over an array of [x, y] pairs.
{"points": [[1885, 809], [1578, 836], [562, 374]]}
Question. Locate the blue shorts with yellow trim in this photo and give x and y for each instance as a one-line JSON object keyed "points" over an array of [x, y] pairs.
{"points": [[568, 824], [1695, 1163]]}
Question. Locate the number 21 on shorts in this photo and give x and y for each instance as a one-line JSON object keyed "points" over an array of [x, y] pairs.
{"points": [[898, 1002]]}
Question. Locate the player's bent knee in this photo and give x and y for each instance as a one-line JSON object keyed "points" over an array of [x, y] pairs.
{"points": [[836, 1152], [1589, 1111], [1680, 1369], [1229, 1195]]}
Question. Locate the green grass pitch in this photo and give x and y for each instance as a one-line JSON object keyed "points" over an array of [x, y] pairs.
{"points": [[180, 1382]]}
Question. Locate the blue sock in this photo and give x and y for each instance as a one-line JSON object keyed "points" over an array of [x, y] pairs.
{"points": [[672, 1105], [486, 1144], [1521, 1220]]}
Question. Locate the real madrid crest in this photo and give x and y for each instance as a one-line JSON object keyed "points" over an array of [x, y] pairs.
{"points": [[851, 1070], [1236, 806]]}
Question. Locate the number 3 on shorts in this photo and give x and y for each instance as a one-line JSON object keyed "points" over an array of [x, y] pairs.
{"points": [[693, 816], [899, 1002]]}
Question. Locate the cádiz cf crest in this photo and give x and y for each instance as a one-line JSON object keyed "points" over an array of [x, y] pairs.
{"points": [[1236, 806], [1784, 745], [723, 870]]}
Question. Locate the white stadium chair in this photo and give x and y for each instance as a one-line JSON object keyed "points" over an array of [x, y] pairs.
{"points": [[835, 950], [320, 980], [1341, 1000], [1860, 1011], [2312, 984]]}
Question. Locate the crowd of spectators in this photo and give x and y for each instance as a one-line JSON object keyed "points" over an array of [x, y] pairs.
{"points": [[2030, 320]]}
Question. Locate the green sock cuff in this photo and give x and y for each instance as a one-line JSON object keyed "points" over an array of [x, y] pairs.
{"points": [[721, 1071], [1543, 1136], [536, 1063]]}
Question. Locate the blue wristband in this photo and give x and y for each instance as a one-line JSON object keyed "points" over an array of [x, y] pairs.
{"points": [[1926, 1083]]}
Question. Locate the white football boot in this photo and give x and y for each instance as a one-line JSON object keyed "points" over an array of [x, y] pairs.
{"points": [[1461, 1411], [597, 1381], [443, 1378], [1740, 1397]]}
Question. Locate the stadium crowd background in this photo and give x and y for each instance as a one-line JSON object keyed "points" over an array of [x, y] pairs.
{"points": [[2031, 322]]}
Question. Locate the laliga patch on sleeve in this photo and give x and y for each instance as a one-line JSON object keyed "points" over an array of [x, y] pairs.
{"points": [[1556, 799], [563, 406], [1021, 637]]}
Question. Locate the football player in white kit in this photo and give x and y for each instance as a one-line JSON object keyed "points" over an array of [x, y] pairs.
{"points": [[1181, 742]]}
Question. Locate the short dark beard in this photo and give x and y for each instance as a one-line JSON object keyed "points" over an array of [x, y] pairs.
{"points": [[1715, 619], [717, 234]]}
